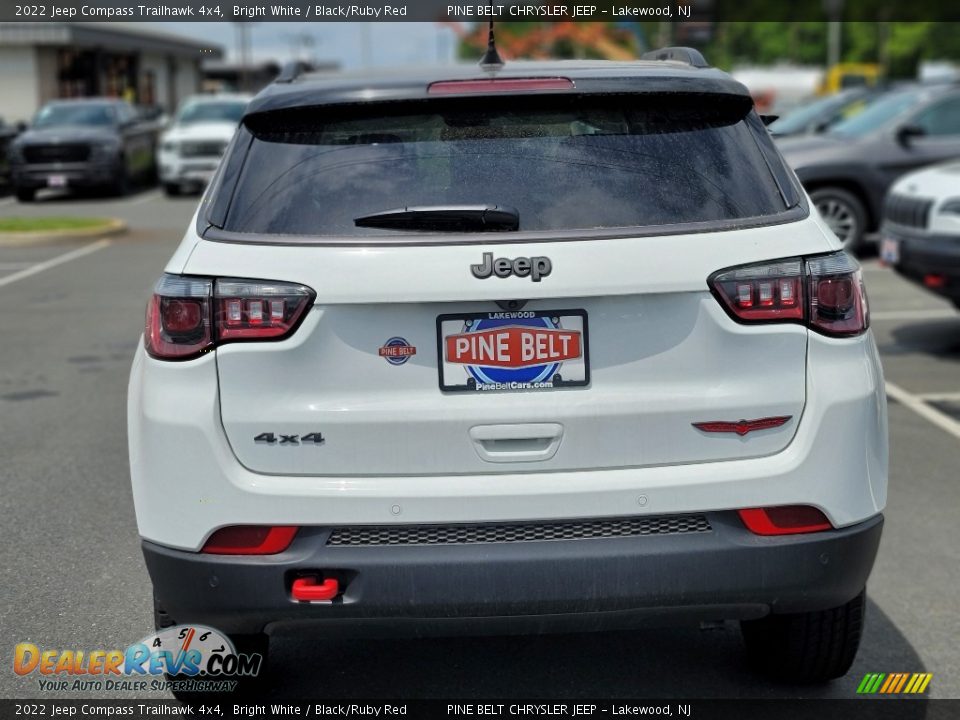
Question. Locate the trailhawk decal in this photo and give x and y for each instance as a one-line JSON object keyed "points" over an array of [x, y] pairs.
{"points": [[525, 350]]}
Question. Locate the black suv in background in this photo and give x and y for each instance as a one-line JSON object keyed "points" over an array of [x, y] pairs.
{"points": [[849, 169], [89, 143]]}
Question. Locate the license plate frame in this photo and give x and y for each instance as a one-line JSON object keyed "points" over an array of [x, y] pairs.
{"points": [[56, 181], [531, 377], [890, 251]]}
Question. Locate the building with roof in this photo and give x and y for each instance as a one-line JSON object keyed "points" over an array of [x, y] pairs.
{"points": [[40, 62]]}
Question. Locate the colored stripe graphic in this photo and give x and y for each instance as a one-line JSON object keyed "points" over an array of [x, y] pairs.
{"points": [[891, 681], [870, 683], [903, 681], [926, 681], [894, 683]]}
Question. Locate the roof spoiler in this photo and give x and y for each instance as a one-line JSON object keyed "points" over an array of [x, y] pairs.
{"points": [[685, 55], [292, 70]]}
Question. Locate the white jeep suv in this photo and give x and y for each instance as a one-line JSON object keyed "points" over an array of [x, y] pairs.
{"points": [[559, 345]]}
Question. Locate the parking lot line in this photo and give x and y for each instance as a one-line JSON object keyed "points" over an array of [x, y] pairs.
{"points": [[931, 314], [921, 408], [146, 197], [53, 262], [940, 397]]}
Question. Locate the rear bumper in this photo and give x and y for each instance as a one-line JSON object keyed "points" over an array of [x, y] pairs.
{"points": [[86, 174], [188, 172], [540, 586], [931, 255]]}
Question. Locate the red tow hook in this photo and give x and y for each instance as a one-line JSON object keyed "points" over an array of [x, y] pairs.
{"points": [[307, 589]]}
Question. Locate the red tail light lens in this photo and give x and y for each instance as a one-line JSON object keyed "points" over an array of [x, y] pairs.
{"points": [[250, 540], [785, 520], [178, 318], [257, 311], [825, 292], [488, 85], [189, 316], [765, 292], [837, 299]]}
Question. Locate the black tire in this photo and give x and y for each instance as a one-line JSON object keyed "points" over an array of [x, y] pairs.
{"points": [[956, 303], [246, 687], [153, 172], [171, 189], [121, 182], [26, 194], [811, 647], [844, 213]]}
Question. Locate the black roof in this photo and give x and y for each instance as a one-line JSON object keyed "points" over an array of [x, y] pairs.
{"points": [[588, 76]]}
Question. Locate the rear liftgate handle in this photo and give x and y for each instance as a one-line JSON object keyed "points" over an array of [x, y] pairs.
{"points": [[527, 442]]}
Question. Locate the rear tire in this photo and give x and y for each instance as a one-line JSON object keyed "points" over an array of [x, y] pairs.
{"points": [[844, 213], [811, 647], [25, 194], [256, 643], [171, 189], [121, 184]]}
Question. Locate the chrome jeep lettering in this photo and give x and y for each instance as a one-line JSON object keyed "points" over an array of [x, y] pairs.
{"points": [[535, 268]]}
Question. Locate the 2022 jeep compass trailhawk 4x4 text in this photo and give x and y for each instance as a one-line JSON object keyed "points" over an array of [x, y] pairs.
{"points": [[551, 346]]}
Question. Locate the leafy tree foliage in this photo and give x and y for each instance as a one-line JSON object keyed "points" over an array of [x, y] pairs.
{"points": [[898, 47]]}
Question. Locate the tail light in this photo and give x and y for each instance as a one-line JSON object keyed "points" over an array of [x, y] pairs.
{"points": [[189, 316], [250, 540], [178, 318], [825, 293], [258, 311], [491, 85], [785, 520]]}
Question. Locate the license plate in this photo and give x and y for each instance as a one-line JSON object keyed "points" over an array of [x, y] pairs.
{"points": [[513, 351], [57, 181], [890, 251]]}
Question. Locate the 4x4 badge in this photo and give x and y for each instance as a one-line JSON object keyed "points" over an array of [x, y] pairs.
{"points": [[538, 266]]}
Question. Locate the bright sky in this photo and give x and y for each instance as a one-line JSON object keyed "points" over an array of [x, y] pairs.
{"points": [[352, 44]]}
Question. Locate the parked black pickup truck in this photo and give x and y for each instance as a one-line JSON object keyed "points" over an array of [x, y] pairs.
{"points": [[93, 142]]}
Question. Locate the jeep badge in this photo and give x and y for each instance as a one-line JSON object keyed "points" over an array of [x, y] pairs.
{"points": [[536, 267]]}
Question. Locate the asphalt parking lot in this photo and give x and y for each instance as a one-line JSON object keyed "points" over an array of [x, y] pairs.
{"points": [[73, 576]]}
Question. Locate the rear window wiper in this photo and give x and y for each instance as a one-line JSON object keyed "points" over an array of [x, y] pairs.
{"points": [[448, 218]]}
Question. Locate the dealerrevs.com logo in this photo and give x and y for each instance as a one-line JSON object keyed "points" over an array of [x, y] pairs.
{"points": [[183, 657]]}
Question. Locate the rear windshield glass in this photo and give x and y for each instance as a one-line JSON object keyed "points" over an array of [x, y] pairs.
{"points": [[212, 111], [563, 164]]}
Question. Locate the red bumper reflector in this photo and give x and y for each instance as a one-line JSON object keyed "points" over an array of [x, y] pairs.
{"points": [[935, 281], [785, 520], [250, 540], [307, 589], [461, 87], [742, 427]]}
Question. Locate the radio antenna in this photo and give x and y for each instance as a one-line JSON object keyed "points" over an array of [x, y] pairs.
{"points": [[491, 58]]}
